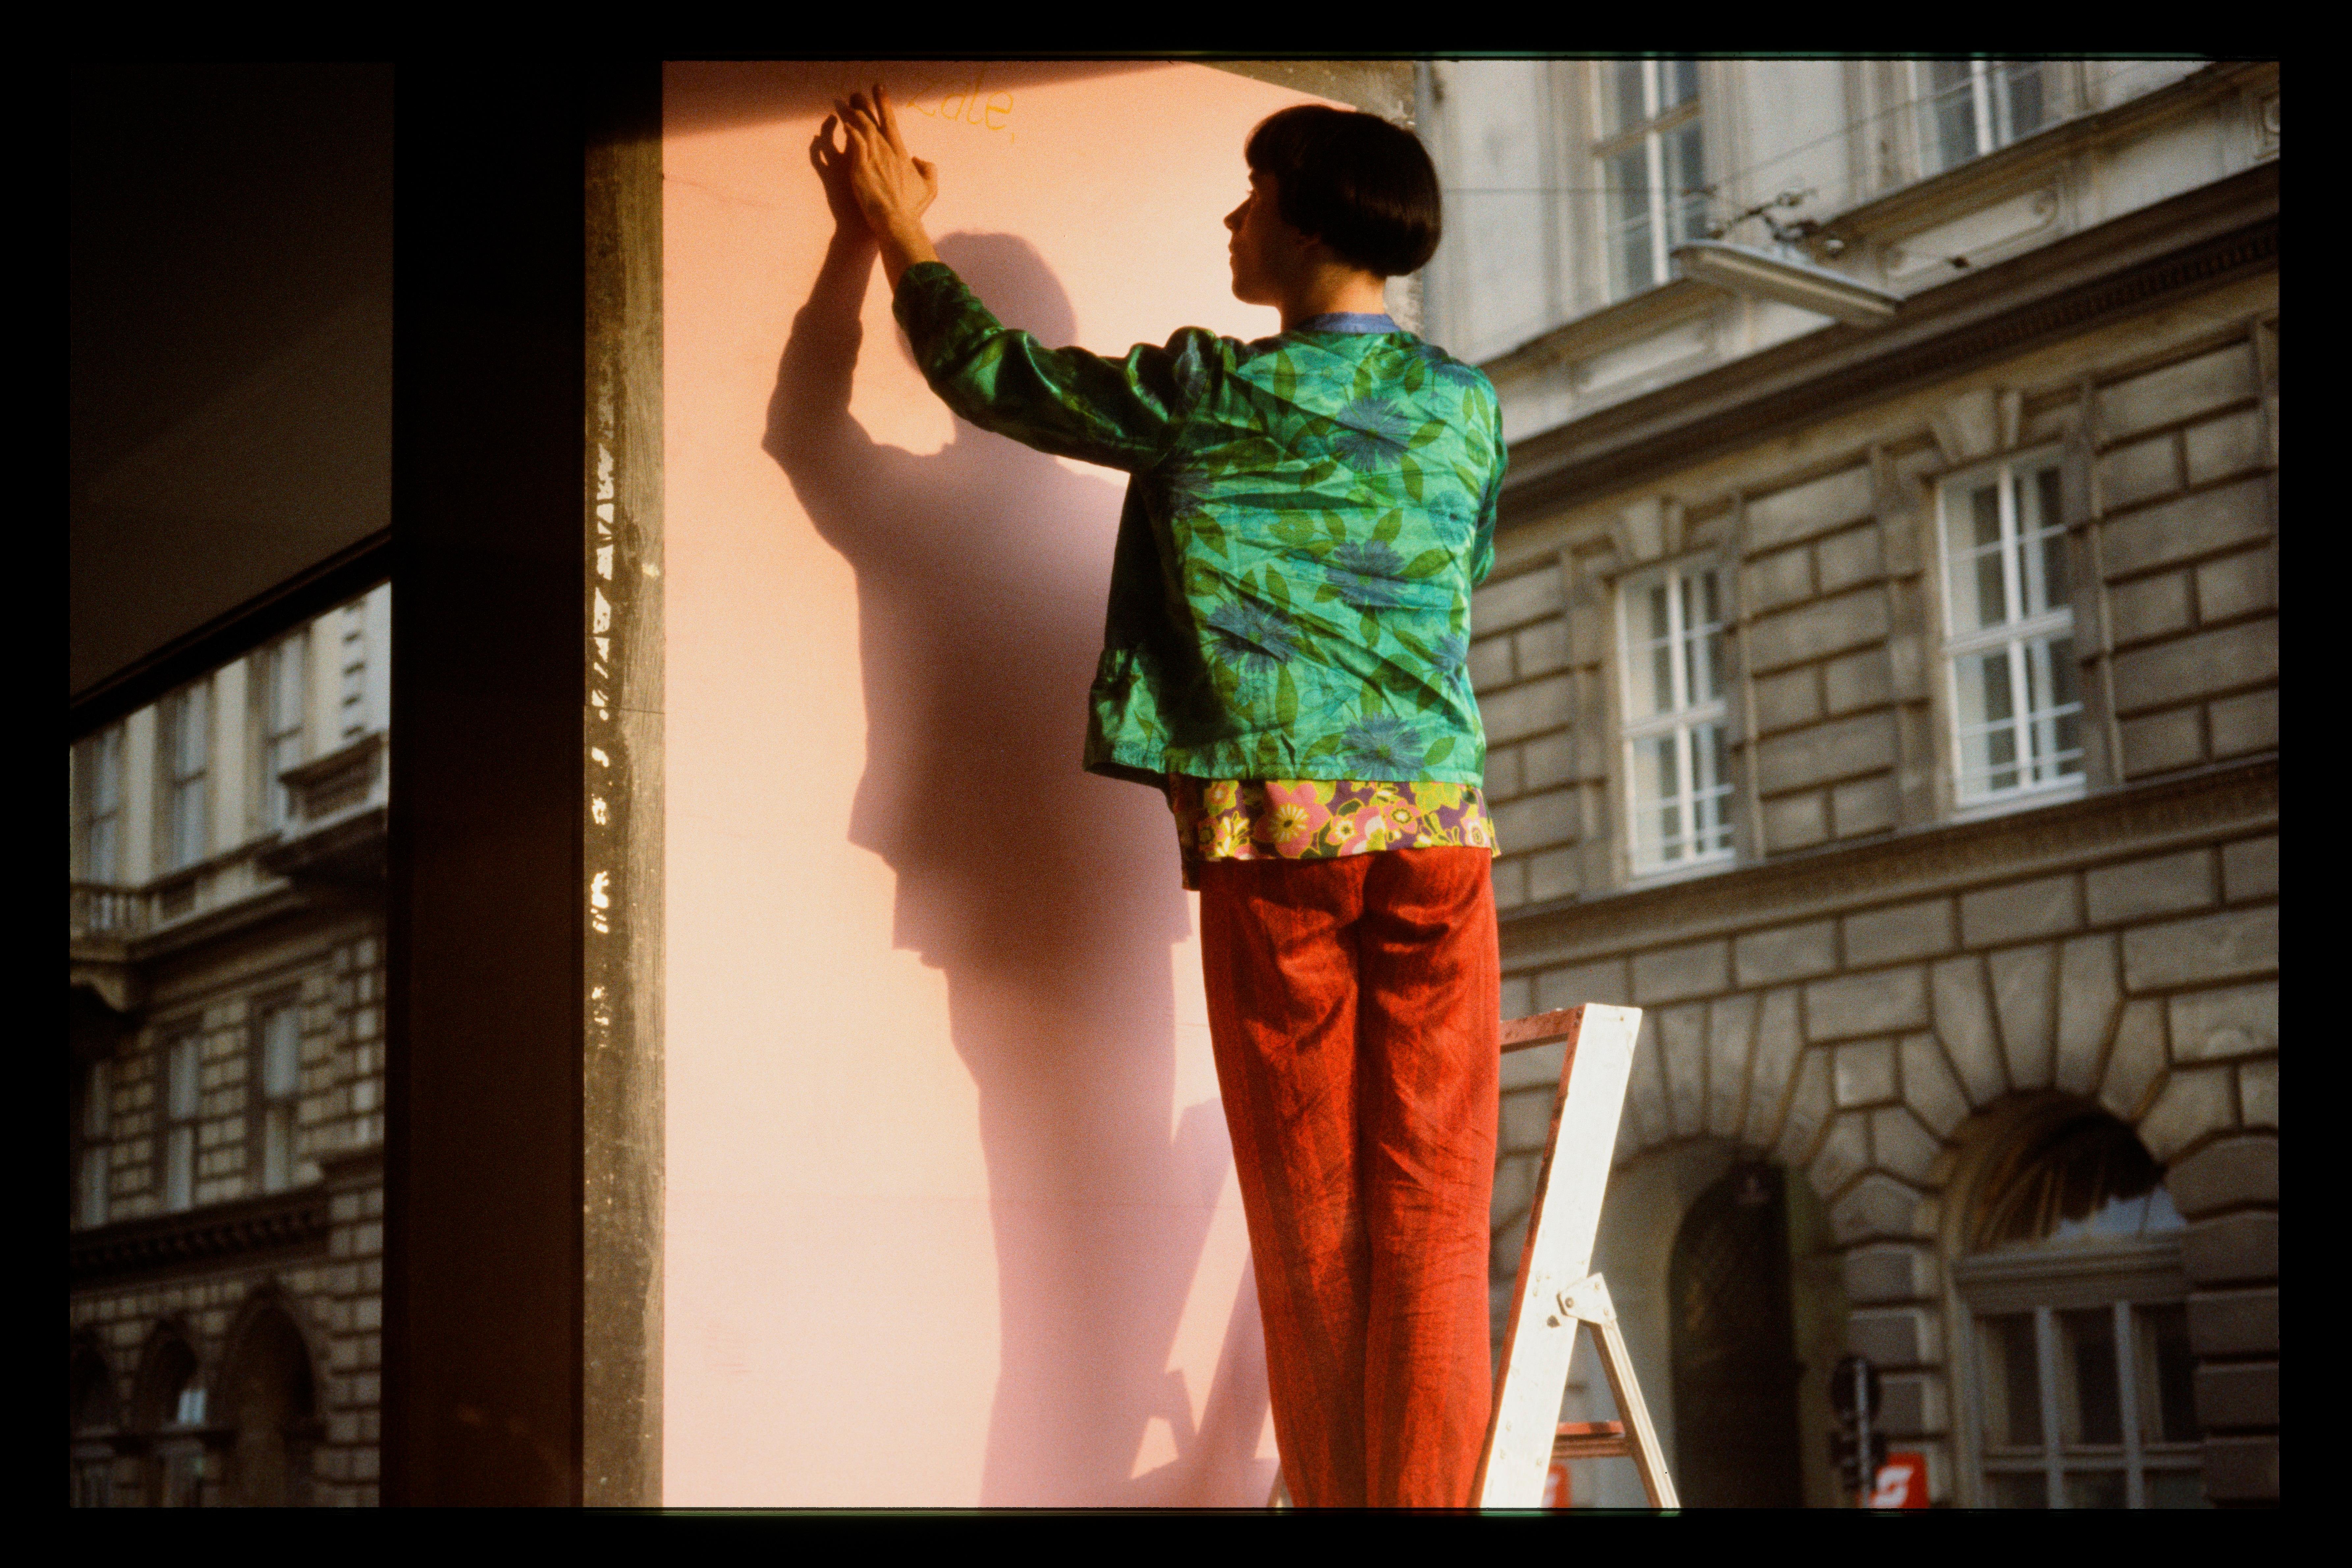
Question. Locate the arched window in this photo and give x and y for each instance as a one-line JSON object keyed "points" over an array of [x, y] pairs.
{"points": [[95, 1416], [169, 1410], [269, 1404], [2076, 1349]]}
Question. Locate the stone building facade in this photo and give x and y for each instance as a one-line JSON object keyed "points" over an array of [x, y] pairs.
{"points": [[227, 932], [1888, 707]]}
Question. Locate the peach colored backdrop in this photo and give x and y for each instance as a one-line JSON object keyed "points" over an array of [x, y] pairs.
{"points": [[951, 1215]]}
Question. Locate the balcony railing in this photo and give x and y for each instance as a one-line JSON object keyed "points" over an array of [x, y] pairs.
{"points": [[336, 837], [101, 910]]}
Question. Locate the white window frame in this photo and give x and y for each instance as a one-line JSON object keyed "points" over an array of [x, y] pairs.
{"points": [[2127, 1279], [283, 675], [184, 740], [1682, 719], [353, 704], [2017, 635], [277, 1090], [1659, 119], [97, 780], [1993, 109], [182, 1100]]}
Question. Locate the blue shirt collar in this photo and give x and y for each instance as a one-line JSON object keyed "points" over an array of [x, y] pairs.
{"points": [[1347, 322]]}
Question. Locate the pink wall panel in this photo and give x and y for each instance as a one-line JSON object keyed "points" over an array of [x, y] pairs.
{"points": [[951, 1215]]}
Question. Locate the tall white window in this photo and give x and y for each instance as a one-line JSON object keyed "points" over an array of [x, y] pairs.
{"points": [[187, 731], [2017, 706], [354, 701], [183, 1059], [1678, 790], [286, 688], [98, 783], [1652, 155], [279, 1079], [91, 1158], [1968, 107]]}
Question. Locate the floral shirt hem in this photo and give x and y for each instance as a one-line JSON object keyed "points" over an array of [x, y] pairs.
{"points": [[1322, 819]]}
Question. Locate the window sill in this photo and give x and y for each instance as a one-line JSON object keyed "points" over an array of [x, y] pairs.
{"points": [[1668, 875], [2022, 799]]}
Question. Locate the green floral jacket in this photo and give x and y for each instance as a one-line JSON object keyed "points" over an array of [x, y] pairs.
{"points": [[1306, 517]]}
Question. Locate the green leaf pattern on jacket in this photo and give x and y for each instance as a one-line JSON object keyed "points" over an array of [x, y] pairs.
{"points": [[1306, 517]]}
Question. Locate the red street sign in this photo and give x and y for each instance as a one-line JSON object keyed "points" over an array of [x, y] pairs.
{"points": [[1901, 1482]]}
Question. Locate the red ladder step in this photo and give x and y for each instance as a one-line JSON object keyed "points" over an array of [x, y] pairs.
{"points": [[1591, 1440]]}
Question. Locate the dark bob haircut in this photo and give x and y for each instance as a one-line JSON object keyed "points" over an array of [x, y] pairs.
{"points": [[1361, 186]]}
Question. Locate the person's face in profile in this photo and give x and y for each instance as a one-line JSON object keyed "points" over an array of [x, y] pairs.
{"points": [[1266, 250]]}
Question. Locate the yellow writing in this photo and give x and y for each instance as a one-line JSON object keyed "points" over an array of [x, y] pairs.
{"points": [[967, 101]]}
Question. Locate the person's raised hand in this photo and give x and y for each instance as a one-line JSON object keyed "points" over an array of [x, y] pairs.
{"points": [[832, 164], [892, 186]]}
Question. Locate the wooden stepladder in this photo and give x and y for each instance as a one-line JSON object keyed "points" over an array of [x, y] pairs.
{"points": [[1558, 1289]]}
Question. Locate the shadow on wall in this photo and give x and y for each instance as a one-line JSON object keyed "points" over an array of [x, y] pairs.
{"points": [[1048, 899]]}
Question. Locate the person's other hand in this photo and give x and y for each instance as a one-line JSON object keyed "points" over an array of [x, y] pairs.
{"points": [[832, 164], [892, 188]]}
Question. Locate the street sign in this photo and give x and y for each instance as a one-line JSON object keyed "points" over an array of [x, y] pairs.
{"points": [[1901, 1482]]}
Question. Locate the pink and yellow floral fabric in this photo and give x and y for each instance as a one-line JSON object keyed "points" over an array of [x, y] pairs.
{"points": [[1321, 819]]}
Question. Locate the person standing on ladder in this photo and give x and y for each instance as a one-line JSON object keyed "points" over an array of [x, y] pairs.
{"points": [[1285, 657]]}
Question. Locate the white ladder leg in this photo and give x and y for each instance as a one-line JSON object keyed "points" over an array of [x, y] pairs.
{"points": [[1588, 1300]]}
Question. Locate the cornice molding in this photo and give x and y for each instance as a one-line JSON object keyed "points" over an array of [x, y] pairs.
{"points": [[1944, 858], [2199, 240], [249, 1230], [345, 851]]}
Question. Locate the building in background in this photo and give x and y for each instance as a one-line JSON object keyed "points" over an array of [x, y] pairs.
{"points": [[227, 931], [1880, 672]]}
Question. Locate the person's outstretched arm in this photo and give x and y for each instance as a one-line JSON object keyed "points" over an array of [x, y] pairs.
{"points": [[1121, 413]]}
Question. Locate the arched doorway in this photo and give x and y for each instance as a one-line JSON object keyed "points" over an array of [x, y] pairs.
{"points": [[1735, 1367], [269, 1403]]}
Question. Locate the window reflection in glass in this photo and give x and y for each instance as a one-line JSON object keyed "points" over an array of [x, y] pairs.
{"points": [[2167, 1374], [1620, 99], [1980, 588], [2090, 1401], [2012, 1381], [2089, 1180], [1652, 158], [1627, 177], [1969, 108]]}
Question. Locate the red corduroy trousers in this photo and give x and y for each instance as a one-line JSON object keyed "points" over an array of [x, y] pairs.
{"points": [[1355, 1010]]}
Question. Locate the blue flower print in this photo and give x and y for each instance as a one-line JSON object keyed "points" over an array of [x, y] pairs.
{"points": [[1367, 574], [1370, 431], [1189, 491], [1444, 366], [1252, 635], [1381, 741]]}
